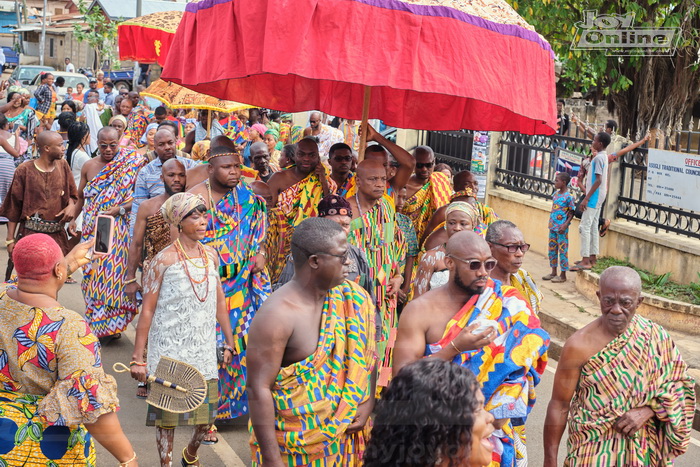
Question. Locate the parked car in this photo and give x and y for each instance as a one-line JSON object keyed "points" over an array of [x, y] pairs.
{"points": [[119, 77], [11, 58], [25, 74], [72, 80]]}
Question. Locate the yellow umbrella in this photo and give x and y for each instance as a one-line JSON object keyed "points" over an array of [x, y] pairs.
{"points": [[179, 97]]}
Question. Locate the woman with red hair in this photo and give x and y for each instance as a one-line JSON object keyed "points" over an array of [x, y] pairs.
{"points": [[52, 385]]}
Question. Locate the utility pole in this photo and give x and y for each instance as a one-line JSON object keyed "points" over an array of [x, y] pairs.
{"points": [[19, 25], [137, 69], [42, 41]]}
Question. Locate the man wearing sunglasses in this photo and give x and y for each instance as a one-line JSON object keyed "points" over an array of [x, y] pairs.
{"points": [[341, 159], [426, 190], [485, 326], [508, 247], [291, 406]]}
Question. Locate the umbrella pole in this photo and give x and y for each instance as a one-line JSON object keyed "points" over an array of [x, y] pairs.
{"points": [[209, 125], [363, 125]]}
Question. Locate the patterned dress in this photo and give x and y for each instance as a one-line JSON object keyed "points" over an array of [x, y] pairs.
{"points": [[317, 398], [107, 308], [377, 234], [641, 367], [422, 205], [509, 368], [51, 384], [236, 230]]}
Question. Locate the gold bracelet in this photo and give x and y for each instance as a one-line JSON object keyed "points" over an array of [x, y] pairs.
{"points": [[130, 281], [9, 242], [452, 343], [126, 463]]}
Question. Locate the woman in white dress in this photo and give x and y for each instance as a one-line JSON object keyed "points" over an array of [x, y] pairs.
{"points": [[432, 271], [9, 151], [183, 300]]}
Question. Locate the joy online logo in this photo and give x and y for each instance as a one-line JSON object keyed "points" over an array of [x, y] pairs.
{"points": [[615, 34]]}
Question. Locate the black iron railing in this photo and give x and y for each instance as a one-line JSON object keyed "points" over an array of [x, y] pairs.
{"points": [[453, 148]]}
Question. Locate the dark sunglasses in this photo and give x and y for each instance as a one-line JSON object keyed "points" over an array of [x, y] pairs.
{"points": [[475, 264], [513, 248], [424, 165], [343, 257]]}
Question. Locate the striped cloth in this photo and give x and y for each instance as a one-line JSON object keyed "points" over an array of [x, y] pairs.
{"points": [[509, 368], [422, 205], [641, 367], [317, 398], [107, 309], [378, 236]]}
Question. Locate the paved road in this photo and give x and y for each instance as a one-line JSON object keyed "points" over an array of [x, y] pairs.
{"points": [[232, 449]]}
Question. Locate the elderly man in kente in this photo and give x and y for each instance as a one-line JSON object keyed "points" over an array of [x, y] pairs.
{"points": [[312, 359], [487, 327], [236, 230], [296, 192], [107, 187], [508, 247], [374, 230], [42, 195], [622, 385], [432, 270], [55, 397], [183, 302], [426, 190], [466, 189]]}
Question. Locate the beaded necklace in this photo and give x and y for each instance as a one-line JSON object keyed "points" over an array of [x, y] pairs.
{"points": [[182, 256]]}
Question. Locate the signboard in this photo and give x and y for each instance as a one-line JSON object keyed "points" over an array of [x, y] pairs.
{"points": [[673, 178], [569, 162], [480, 160]]}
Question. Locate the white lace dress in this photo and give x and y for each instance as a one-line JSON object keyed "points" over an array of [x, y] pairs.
{"points": [[183, 328]]}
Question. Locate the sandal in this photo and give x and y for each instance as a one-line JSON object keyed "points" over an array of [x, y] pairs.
{"points": [[185, 462], [578, 267], [558, 280], [142, 390], [211, 435], [548, 277], [604, 227]]}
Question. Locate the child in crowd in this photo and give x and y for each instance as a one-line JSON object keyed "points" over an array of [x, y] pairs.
{"points": [[563, 206]]}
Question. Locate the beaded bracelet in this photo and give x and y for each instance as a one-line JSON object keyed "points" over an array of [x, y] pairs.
{"points": [[137, 364], [228, 347], [130, 281], [126, 463]]}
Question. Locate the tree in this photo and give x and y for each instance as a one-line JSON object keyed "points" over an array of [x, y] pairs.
{"points": [[647, 91], [101, 34]]}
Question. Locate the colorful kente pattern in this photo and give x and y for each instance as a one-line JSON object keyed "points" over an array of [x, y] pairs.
{"points": [[368, 233], [317, 398], [347, 186], [525, 284], [422, 205], [236, 230], [510, 367], [107, 308], [641, 367]]}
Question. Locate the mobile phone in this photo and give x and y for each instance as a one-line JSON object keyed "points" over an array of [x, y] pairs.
{"points": [[139, 298], [15, 126], [104, 234], [484, 324]]}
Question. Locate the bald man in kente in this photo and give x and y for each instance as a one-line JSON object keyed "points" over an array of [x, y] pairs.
{"points": [[485, 326], [374, 231], [622, 385], [326, 135]]}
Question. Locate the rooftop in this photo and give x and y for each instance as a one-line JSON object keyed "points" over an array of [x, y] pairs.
{"points": [[121, 9]]}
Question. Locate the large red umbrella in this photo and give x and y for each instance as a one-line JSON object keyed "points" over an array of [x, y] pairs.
{"points": [[429, 64], [147, 39]]}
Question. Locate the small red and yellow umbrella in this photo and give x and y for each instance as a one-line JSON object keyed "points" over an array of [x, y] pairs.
{"points": [[147, 39]]}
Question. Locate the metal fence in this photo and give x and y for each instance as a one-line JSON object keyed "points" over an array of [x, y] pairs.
{"points": [[453, 148], [526, 164]]}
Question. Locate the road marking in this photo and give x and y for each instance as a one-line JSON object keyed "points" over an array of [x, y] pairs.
{"points": [[226, 454]]}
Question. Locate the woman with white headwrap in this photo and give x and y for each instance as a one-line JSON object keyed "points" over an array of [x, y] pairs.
{"points": [[182, 302], [432, 271]]}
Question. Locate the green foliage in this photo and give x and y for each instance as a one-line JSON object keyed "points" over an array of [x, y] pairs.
{"points": [[101, 34], [657, 284], [623, 80]]}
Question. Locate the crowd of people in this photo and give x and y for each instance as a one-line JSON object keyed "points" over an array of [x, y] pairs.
{"points": [[312, 290]]}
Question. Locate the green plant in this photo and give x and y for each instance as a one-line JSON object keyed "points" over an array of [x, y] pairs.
{"points": [[654, 280], [101, 35]]}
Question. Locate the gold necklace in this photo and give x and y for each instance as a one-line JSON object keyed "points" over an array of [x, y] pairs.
{"points": [[200, 248]]}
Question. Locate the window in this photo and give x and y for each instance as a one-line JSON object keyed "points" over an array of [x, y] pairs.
{"points": [[51, 44]]}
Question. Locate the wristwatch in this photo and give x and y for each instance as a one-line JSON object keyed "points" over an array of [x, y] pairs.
{"points": [[122, 211]]}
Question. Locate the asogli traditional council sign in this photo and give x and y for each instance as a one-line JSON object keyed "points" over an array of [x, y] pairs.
{"points": [[673, 178]]}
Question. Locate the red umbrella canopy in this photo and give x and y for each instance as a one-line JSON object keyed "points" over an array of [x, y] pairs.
{"points": [[431, 64], [147, 39]]}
